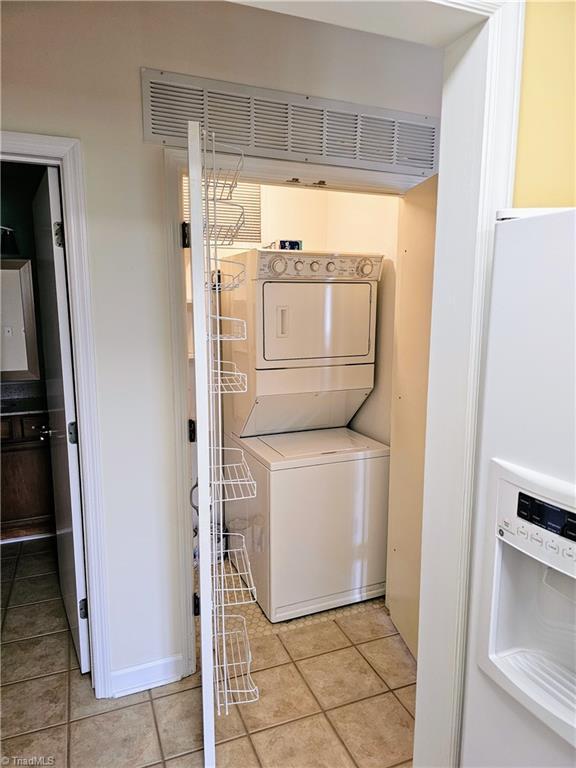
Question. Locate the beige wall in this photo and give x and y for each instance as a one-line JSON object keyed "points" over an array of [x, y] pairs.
{"points": [[415, 260], [546, 159], [72, 69]]}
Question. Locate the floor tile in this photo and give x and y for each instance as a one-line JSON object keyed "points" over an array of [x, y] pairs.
{"points": [[32, 620], [308, 743], [125, 738], [49, 744], [314, 639], [35, 589], [361, 627], [392, 660], [267, 651], [34, 704], [73, 660], [378, 732], [36, 656], [340, 677], [283, 696], [232, 754], [408, 697], [229, 726], [5, 587], [36, 565], [192, 681], [179, 720], [10, 550], [8, 568], [34, 546], [83, 703]]}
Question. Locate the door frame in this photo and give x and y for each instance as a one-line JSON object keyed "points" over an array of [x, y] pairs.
{"points": [[66, 154], [480, 105]]}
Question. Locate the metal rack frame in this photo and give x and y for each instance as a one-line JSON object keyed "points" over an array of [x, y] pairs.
{"points": [[224, 568]]}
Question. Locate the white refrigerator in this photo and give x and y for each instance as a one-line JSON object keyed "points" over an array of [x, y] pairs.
{"points": [[520, 683]]}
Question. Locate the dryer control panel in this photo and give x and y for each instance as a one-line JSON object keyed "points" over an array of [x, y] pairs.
{"points": [[317, 266]]}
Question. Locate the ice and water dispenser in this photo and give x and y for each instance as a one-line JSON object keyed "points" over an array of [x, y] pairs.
{"points": [[529, 601]]}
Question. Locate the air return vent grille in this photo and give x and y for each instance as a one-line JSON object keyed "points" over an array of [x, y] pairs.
{"points": [[289, 126]]}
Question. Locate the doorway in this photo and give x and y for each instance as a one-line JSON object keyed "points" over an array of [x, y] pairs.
{"points": [[42, 527]]}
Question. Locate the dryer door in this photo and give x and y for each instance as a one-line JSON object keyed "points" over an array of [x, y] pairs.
{"points": [[317, 322]]}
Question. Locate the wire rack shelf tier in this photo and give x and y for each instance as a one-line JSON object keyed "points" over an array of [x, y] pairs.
{"points": [[227, 379], [226, 275], [228, 328], [234, 683], [233, 583], [232, 479]]}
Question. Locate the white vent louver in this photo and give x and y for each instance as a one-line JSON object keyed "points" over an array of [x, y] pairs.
{"points": [[289, 126]]}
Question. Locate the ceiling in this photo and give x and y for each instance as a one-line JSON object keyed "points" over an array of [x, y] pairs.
{"points": [[438, 23]]}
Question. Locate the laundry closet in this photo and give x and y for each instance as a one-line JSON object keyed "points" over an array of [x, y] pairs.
{"points": [[321, 354]]}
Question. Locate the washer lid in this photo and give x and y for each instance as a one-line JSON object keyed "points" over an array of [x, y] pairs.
{"points": [[319, 441]]}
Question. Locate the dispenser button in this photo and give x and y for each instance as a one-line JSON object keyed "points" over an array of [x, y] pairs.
{"points": [[537, 539], [552, 546], [569, 553], [522, 532]]}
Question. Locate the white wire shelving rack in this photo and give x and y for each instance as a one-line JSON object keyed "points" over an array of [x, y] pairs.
{"points": [[230, 478]]}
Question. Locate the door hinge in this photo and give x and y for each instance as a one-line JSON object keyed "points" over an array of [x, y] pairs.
{"points": [[191, 431], [73, 432], [59, 234], [83, 608], [185, 234]]}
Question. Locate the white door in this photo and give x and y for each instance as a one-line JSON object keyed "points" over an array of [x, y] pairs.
{"points": [[316, 321], [58, 366], [199, 271]]}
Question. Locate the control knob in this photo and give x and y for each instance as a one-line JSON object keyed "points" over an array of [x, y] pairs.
{"points": [[299, 266], [364, 268], [314, 266], [330, 267], [278, 265]]}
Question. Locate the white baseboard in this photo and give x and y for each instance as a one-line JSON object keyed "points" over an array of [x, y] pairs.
{"points": [[149, 675]]}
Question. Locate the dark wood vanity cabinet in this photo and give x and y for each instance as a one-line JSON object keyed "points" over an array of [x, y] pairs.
{"points": [[27, 496]]}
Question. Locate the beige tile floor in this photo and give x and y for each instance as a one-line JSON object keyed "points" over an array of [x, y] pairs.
{"points": [[337, 690]]}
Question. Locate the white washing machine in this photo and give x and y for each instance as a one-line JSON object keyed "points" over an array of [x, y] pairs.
{"points": [[316, 533]]}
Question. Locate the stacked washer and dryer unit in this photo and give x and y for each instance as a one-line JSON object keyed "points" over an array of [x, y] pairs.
{"points": [[316, 533]]}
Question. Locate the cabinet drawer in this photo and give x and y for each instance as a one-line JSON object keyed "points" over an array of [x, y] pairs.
{"points": [[31, 426], [7, 430]]}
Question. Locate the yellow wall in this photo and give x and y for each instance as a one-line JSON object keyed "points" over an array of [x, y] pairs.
{"points": [[546, 161]]}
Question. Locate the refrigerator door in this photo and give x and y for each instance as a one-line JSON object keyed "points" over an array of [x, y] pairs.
{"points": [[520, 601]]}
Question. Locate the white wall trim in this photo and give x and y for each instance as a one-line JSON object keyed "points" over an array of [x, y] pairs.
{"points": [[67, 153], [482, 85], [149, 675], [174, 163]]}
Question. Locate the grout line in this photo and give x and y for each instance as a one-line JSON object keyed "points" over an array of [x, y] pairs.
{"points": [[162, 755], [399, 700], [22, 639]]}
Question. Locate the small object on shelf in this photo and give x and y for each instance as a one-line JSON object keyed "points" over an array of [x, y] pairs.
{"points": [[232, 577], [227, 378], [232, 680], [231, 476], [287, 245]]}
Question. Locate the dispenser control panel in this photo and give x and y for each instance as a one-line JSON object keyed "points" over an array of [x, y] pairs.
{"points": [[539, 528]]}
